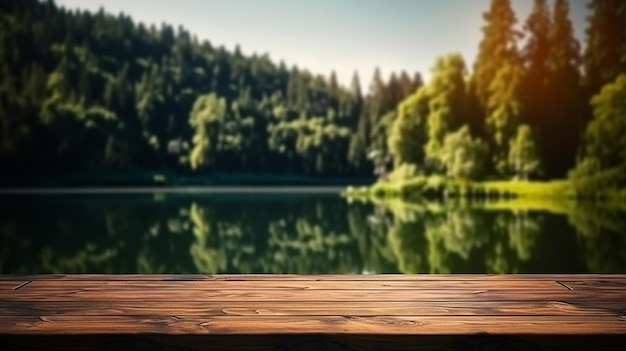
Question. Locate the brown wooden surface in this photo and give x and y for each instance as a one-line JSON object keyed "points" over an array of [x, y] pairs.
{"points": [[531, 307], [325, 277]]}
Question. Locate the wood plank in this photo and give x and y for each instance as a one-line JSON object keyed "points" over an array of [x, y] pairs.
{"points": [[388, 325], [315, 308], [12, 284], [96, 294], [270, 312], [329, 277], [297, 285], [594, 284]]}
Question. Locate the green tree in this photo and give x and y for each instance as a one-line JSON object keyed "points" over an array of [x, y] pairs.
{"points": [[523, 154], [376, 108], [497, 48], [333, 91], [356, 96], [446, 94], [405, 84], [560, 131], [408, 133], [358, 142], [535, 56], [462, 156], [497, 82], [605, 52], [605, 137], [504, 111], [394, 93], [206, 118]]}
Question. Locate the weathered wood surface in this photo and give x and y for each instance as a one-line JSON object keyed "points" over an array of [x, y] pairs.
{"points": [[447, 312]]}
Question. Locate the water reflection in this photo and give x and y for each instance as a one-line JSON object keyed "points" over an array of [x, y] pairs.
{"points": [[305, 234]]}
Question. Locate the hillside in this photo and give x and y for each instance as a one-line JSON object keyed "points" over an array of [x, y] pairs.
{"points": [[96, 93], [92, 92]]}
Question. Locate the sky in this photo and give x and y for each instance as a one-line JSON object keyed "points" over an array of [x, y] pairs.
{"points": [[340, 35]]}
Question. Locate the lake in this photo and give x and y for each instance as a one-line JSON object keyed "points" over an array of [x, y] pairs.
{"points": [[304, 231]]}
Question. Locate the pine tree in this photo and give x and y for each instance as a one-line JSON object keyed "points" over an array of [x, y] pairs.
{"points": [[496, 81], [504, 111], [394, 92], [292, 87], [417, 82], [605, 52], [561, 129], [535, 56], [376, 109], [356, 96], [84, 86], [497, 48], [357, 149], [333, 91], [375, 106], [406, 84]]}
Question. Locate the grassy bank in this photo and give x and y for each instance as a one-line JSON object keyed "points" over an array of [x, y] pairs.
{"points": [[441, 187]]}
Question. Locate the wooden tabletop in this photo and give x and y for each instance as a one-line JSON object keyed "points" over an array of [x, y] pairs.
{"points": [[248, 305]]}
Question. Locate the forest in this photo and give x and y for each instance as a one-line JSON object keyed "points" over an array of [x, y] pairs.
{"points": [[98, 92]]}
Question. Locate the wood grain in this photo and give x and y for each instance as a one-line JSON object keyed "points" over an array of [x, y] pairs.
{"points": [[595, 285], [316, 308], [172, 295], [296, 285], [324, 277], [388, 325], [12, 284], [345, 311]]}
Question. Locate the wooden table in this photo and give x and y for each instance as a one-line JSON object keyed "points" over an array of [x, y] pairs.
{"points": [[294, 312]]}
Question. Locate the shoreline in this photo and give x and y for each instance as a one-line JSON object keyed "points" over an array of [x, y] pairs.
{"points": [[438, 188], [174, 190], [161, 180]]}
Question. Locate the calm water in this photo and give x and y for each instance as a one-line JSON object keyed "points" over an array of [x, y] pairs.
{"points": [[302, 233]]}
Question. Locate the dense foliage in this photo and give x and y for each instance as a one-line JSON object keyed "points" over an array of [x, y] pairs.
{"points": [[96, 91], [82, 90], [537, 110]]}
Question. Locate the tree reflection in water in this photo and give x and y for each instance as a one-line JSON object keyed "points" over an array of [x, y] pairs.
{"points": [[305, 234]]}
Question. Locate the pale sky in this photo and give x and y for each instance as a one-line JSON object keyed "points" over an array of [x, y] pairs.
{"points": [[340, 35]]}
